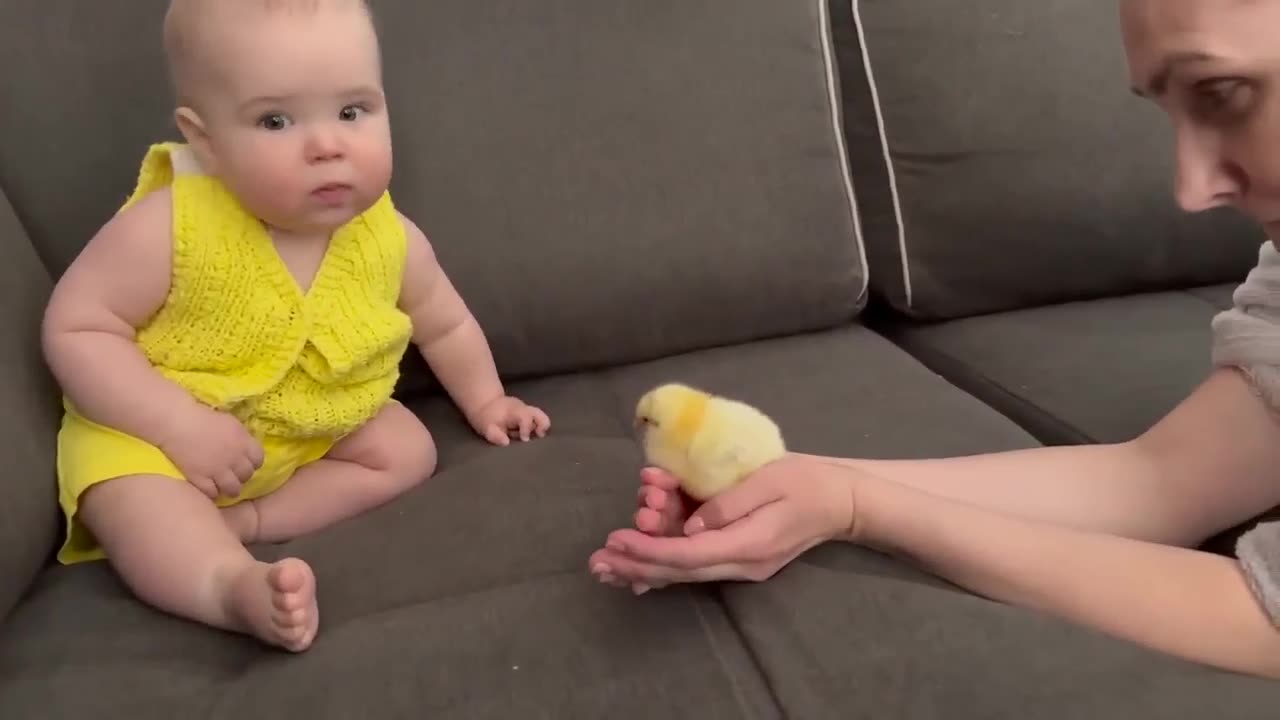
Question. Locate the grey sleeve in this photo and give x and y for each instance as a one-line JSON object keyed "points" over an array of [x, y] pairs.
{"points": [[1259, 553], [1247, 336]]}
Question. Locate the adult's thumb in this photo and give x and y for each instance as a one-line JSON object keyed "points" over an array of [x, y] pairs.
{"points": [[755, 491]]}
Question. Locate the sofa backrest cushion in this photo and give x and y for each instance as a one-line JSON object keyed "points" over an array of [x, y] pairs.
{"points": [[1002, 162], [604, 182], [29, 412]]}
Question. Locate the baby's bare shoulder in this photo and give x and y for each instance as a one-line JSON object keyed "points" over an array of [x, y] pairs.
{"points": [[418, 248], [144, 230], [421, 268], [125, 267]]}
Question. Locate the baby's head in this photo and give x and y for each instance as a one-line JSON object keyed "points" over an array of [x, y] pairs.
{"points": [[282, 100]]}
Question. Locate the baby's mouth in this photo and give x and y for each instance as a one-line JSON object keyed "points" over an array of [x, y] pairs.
{"points": [[332, 193]]}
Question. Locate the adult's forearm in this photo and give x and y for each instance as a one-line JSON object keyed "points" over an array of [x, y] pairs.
{"points": [[109, 381], [1206, 466], [462, 361], [1105, 488], [1191, 604]]}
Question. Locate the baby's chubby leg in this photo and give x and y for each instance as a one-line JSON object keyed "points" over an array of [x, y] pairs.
{"points": [[171, 547], [386, 457]]}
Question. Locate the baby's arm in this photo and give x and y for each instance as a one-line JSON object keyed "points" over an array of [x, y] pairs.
{"points": [[118, 281], [446, 333]]}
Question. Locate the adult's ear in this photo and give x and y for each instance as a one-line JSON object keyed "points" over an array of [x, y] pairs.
{"points": [[197, 136]]}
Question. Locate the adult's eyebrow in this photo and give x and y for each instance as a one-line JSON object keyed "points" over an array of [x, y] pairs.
{"points": [[1158, 82]]}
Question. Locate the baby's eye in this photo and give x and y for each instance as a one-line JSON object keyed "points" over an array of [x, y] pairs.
{"points": [[350, 113], [273, 121]]}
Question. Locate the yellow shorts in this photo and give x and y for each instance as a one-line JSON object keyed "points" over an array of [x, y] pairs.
{"points": [[89, 453]]}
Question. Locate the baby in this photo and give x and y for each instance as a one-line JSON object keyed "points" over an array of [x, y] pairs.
{"points": [[228, 343]]}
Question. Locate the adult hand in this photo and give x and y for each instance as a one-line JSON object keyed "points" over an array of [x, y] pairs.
{"points": [[748, 532]]}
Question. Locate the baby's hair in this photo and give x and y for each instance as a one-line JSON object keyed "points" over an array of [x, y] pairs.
{"points": [[182, 20]]}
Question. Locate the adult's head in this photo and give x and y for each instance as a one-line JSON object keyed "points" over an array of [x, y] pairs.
{"points": [[1213, 66]]}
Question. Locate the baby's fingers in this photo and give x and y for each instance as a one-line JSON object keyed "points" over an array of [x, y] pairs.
{"points": [[256, 454], [245, 468], [496, 434], [526, 426], [228, 484], [205, 485]]}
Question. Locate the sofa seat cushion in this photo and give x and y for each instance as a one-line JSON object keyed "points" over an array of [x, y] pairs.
{"points": [[1092, 371], [467, 598], [846, 633], [470, 598], [28, 495], [556, 645]]}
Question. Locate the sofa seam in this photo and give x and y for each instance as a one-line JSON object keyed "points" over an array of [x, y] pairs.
{"points": [[1018, 410], [718, 597], [883, 133], [1191, 292], [826, 40]]}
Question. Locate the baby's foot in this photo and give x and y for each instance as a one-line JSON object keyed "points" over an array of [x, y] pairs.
{"points": [[277, 603]]}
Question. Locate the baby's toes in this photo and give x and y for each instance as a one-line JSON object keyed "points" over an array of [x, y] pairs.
{"points": [[294, 610]]}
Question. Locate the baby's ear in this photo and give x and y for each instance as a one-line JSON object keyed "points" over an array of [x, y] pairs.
{"points": [[193, 130]]}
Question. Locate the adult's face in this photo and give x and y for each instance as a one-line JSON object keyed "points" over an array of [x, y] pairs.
{"points": [[1213, 66]]}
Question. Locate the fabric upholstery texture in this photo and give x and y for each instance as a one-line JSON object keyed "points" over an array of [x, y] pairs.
{"points": [[29, 421], [592, 175], [986, 136], [1089, 371], [628, 193]]}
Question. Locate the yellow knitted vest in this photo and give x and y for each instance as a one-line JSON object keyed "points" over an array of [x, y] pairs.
{"points": [[238, 332]]}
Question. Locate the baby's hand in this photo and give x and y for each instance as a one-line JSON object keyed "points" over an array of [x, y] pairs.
{"points": [[509, 417], [213, 450]]}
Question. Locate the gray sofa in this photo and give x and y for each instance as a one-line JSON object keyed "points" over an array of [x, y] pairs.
{"points": [[904, 228]]}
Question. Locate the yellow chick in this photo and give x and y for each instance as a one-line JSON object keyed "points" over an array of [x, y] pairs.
{"points": [[708, 442]]}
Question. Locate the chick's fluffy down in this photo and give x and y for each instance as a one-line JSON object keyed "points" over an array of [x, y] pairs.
{"points": [[706, 441]]}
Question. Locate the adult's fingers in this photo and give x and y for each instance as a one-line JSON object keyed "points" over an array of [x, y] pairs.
{"points": [[624, 571], [753, 493], [733, 544], [660, 478], [653, 497]]}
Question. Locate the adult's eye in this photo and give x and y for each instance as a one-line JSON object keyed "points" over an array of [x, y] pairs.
{"points": [[1221, 99]]}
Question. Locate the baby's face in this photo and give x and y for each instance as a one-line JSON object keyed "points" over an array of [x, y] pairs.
{"points": [[295, 113]]}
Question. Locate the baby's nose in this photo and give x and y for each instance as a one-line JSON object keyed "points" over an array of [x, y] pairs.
{"points": [[322, 146]]}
